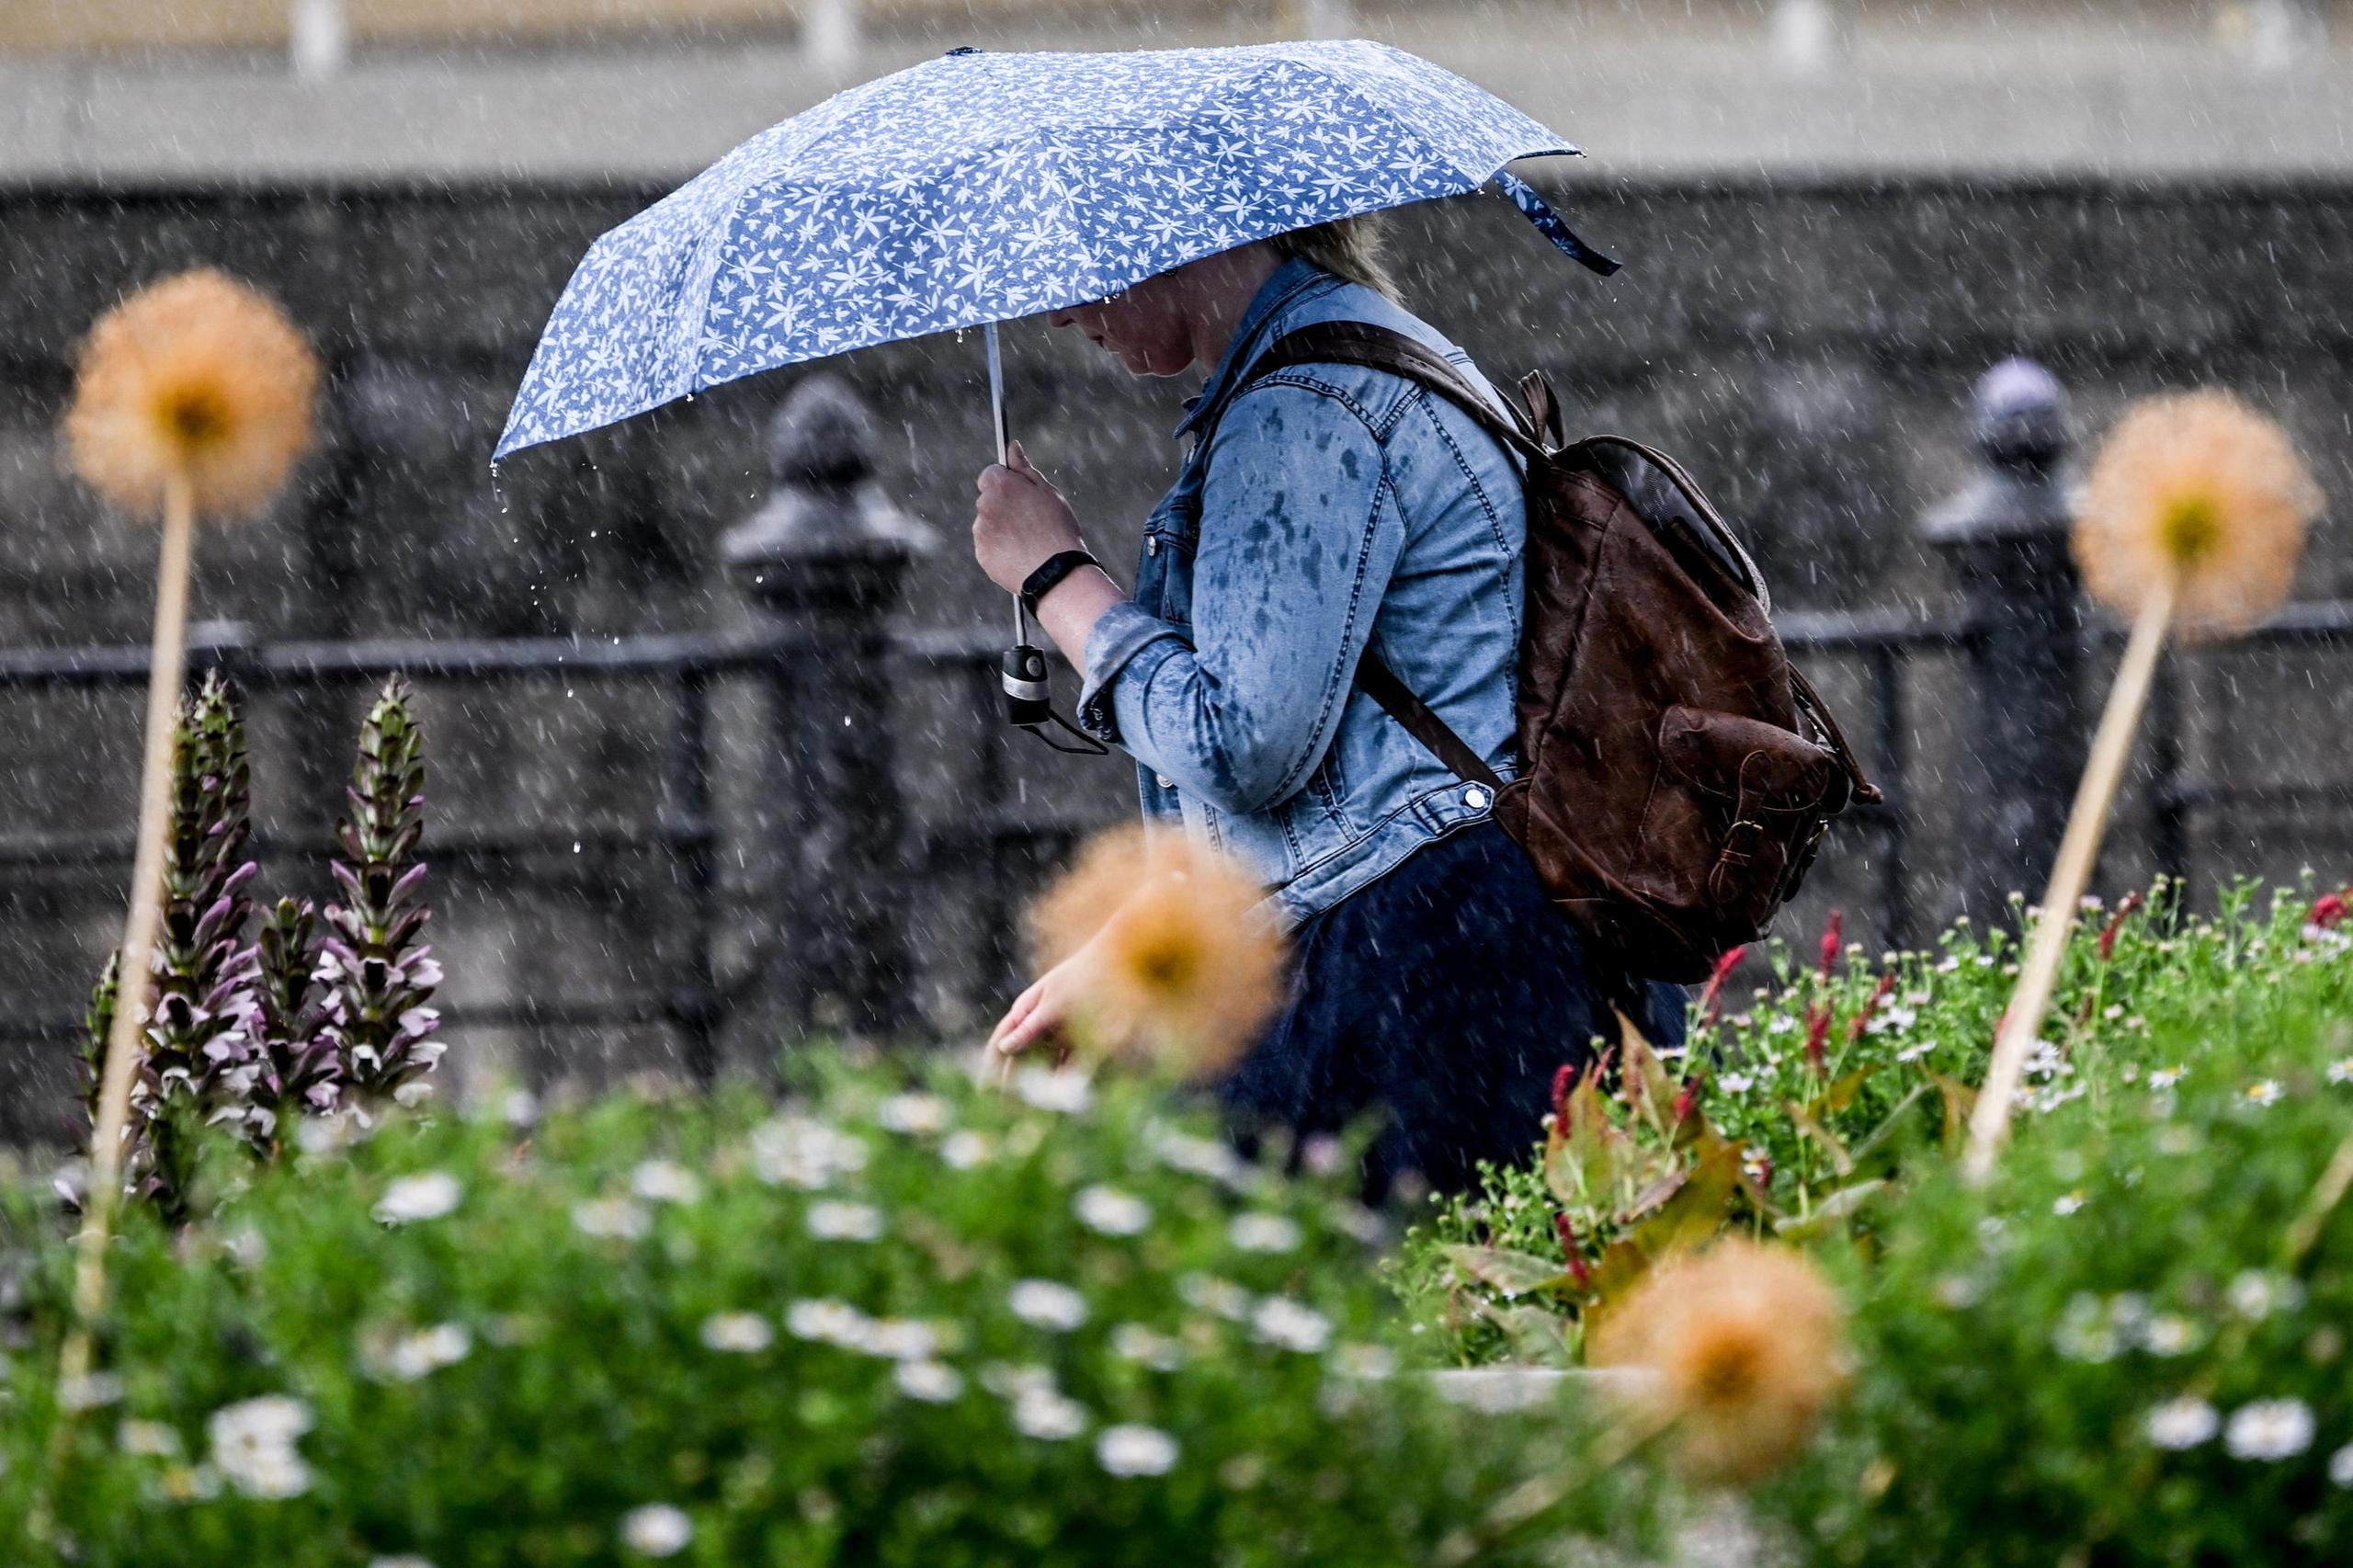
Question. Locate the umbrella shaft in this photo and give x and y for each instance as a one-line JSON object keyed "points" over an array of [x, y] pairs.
{"points": [[997, 418]]}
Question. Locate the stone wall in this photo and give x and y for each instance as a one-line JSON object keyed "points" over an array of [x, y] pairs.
{"points": [[1807, 346]]}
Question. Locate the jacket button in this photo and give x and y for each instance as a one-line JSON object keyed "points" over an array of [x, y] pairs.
{"points": [[1152, 547], [1475, 798]]}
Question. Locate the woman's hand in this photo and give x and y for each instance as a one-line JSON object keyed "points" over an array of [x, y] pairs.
{"points": [[1039, 1016], [1018, 520]]}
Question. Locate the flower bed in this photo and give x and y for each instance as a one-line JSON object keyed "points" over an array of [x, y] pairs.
{"points": [[886, 1325], [1795, 1115]]}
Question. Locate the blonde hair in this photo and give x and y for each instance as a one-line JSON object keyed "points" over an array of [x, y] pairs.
{"points": [[1345, 248]]}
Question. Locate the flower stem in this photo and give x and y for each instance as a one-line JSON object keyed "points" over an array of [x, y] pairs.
{"points": [[166, 660], [2086, 823]]}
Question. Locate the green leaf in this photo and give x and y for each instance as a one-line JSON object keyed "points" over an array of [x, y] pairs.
{"points": [[1512, 1272]]}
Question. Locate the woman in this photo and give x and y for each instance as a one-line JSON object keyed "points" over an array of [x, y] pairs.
{"points": [[1330, 507]]}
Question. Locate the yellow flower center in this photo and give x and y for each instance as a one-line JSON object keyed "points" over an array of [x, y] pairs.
{"points": [[2189, 529], [1724, 1369], [1168, 966], [195, 416]]}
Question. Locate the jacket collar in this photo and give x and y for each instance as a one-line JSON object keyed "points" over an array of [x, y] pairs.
{"points": [[1287, 283]]}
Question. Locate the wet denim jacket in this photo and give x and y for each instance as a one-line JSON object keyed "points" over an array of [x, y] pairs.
{"points": [[1334, 505]]}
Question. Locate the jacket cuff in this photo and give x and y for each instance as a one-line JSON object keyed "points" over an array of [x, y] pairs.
{"points": [[1120, 633]]}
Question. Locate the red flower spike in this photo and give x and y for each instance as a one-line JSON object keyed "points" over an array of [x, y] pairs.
{"points": [[2328, 910], [1564, 1078], [1831, 941], [1579, 1270], [1711, 999], [1817, 1038], [1862, 1020], [1690, 1098], [2124, 911]]}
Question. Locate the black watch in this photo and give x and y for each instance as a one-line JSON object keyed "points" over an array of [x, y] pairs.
{"points": [[1047, 577]]}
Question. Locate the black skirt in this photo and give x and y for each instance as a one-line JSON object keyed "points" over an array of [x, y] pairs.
{"points": [[1442, 997]]}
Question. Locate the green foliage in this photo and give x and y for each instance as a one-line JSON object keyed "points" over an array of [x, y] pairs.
{"points": [[1838, 1076], [2131, 1348], [934, 1326]]}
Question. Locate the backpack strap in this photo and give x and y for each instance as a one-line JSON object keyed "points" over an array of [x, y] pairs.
{"points": [[1380, 349], [1397, 699]]}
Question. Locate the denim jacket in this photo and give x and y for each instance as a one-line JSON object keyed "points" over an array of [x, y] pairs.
{"points": [[1333, 506]]}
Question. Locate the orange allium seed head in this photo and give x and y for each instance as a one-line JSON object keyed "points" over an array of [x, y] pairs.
{"points": [[1178, 966], [2200, 488], [1746, 1346], [198, 376]]}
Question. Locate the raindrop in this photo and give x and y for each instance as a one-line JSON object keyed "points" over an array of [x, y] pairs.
{"points": [[576, 846]]}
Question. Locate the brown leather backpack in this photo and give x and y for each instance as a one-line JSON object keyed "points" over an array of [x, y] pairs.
{"points": [[1677, 773]]}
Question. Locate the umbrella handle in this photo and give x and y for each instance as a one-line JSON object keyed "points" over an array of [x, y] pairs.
{"points": [[1029, 701]]}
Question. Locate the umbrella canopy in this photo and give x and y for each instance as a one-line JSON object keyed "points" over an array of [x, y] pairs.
{"points": [[982, 186]]}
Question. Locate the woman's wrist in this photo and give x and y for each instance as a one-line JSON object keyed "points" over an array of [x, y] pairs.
{"points": [[1070, 608]]}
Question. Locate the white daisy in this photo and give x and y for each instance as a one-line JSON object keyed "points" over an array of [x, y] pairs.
{"points": [[2182, 1423], [2269, 1430], [900, 1339], [2166, 1077], [799, 1150], [91, 1390], [835, 1221], [2068, 1203], [739, 1334], [1212, 1294], [147, 1440], [963, 1151], [1130, 1451], [426, 1196], [1200, 1156], [1111, 1213], [918, 1114], [934, 1382], [1008, 1380], [2166, 1334], [2256, 1295], [657, 1530], [1736, 1082], [1065, 1090], [253, 1446], [610, 1219], [2262, 1092], [2340, 1466], [2341, 1070], [1263, 1233], [1370, 1362], [665, 1181], [1286, 1326], [417, 1354], [1048, 1417], [1134, 1341], [1047, 1304], [826, 1322]]}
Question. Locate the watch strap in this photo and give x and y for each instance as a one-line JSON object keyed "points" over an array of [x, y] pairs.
{"points": [[1049, 575]]}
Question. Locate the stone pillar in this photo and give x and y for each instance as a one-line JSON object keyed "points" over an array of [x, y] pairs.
{"points": [[825, 560], [2004, 538]]}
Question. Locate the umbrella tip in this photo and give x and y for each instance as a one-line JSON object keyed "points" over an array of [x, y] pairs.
{"points": [[963, 48]]}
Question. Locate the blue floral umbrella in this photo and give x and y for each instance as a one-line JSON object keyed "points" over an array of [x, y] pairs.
{"points": [[982, 186]]}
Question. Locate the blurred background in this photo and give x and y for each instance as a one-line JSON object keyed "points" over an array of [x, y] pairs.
{"points": [[689, 798]]}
